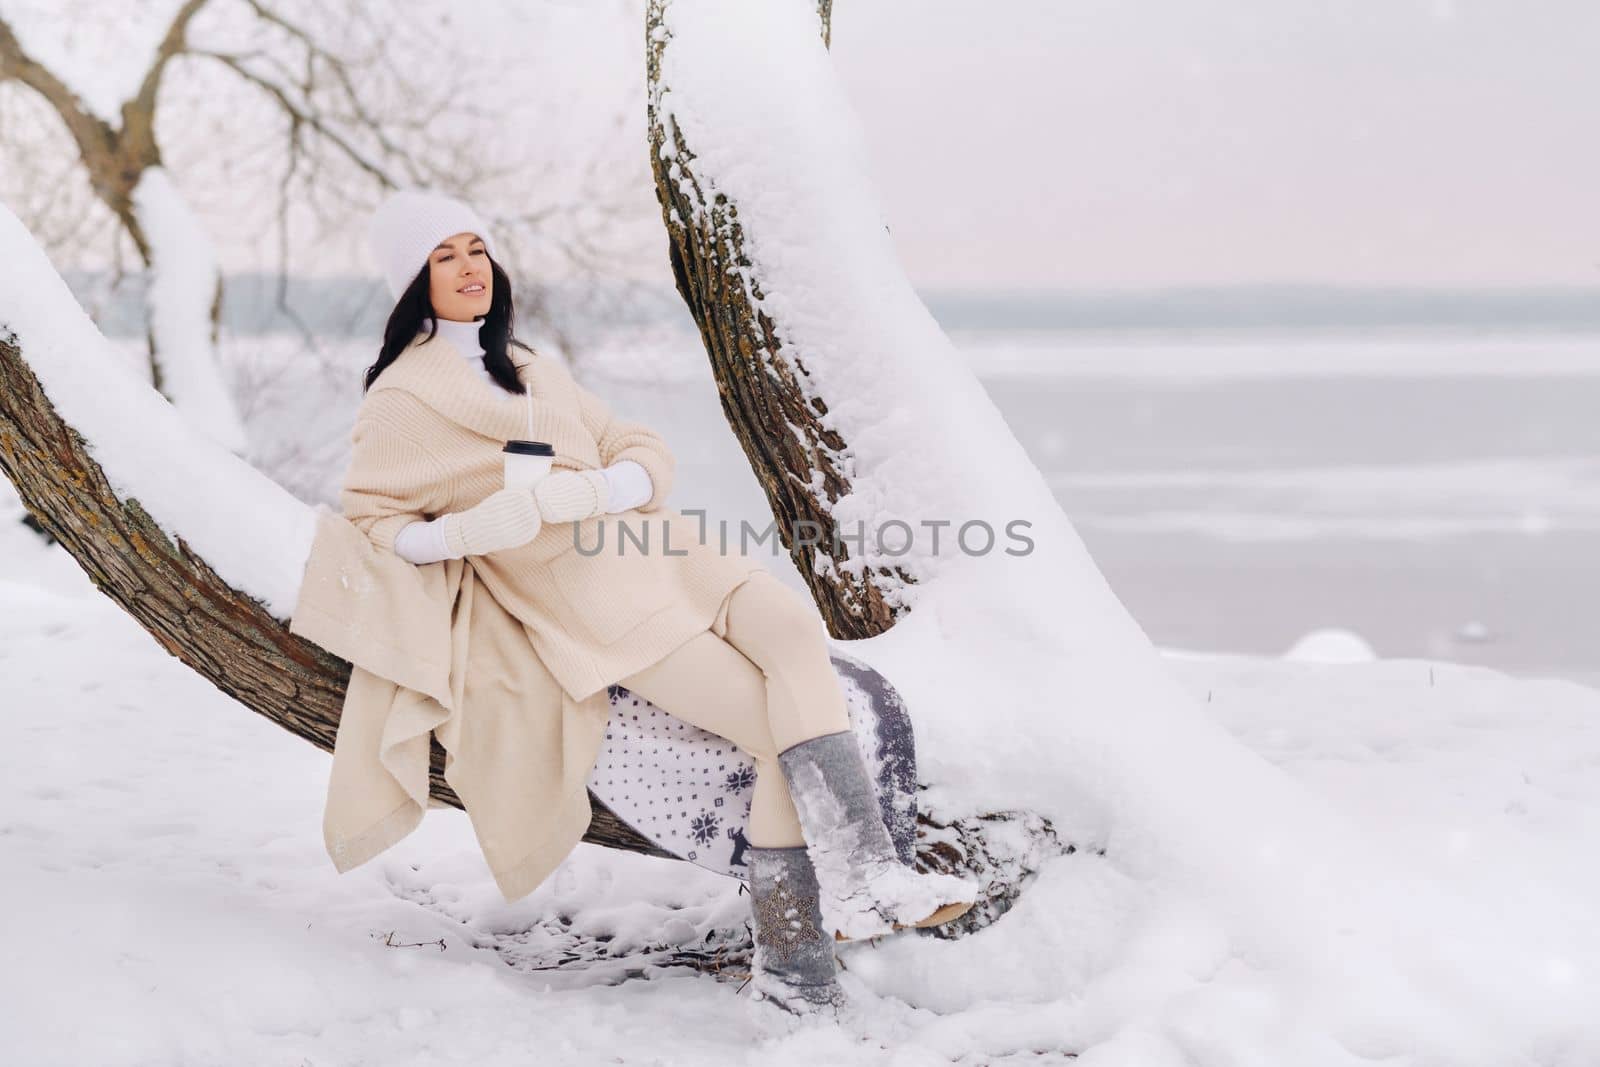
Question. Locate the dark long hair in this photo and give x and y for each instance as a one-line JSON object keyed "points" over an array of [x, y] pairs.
{"points": [[414, 308]]}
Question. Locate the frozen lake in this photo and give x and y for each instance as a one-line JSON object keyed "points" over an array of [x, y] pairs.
{"points": [[1438, 494]]}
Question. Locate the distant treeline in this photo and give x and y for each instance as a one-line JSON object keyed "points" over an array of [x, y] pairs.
{"points": [[345, 306]]}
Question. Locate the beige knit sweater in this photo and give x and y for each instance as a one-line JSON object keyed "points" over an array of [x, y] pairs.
{"points": [[427, 441], [503, 658]]}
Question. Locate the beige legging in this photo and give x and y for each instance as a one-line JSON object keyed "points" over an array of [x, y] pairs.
{"points": [[765, 684]]}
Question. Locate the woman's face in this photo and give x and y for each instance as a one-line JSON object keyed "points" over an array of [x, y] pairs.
{"points": [[460, 283]]}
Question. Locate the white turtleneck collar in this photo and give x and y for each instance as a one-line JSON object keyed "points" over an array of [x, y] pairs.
{"points": [[464, 335]]}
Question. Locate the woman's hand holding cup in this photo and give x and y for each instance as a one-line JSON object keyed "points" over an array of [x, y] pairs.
{"points": [[527, 463], [504, 519], [571, 496]]}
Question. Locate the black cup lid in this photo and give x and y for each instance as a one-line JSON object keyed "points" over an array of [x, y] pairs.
{"points": [[529, 448]]}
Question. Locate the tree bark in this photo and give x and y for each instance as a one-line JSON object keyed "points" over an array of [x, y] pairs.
{"points": [[771, 405], [228, 637]]}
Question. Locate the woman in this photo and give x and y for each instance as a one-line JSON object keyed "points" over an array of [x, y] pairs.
{"points": [[711, 638]]}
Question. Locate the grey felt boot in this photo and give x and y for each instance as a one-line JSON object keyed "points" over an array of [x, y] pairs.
{"points": [[794, 965], [866, 890]]}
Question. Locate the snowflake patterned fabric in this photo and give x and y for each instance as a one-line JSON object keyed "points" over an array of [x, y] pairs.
{"points": [[689, 790]]}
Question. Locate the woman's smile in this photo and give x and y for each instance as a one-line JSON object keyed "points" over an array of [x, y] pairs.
{"points": [[460, 280]]}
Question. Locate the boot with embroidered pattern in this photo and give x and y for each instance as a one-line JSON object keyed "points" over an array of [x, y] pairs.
{"points": [[794, 966]]}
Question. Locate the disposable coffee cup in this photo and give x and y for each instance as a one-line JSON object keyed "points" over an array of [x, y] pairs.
{"points": [[526, 463]]}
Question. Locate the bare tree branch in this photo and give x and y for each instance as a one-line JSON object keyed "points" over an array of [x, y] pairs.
{"points": [[172, 43]]}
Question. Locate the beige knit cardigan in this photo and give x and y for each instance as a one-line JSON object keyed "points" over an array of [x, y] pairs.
{"points": [[506, 657]]}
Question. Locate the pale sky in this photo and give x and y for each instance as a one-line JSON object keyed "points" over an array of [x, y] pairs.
{"points": [[1136, 142], [1065, 143]]}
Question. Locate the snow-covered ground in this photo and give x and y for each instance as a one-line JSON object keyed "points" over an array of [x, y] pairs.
{"points": [[168, 899]]}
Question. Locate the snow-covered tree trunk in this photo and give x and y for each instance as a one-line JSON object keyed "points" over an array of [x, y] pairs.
{"points": [[184, 304], [825, 476], [126, 173], [775, 410]]}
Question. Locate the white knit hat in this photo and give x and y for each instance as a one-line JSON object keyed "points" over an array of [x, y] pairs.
{"points": [[409, 225]]}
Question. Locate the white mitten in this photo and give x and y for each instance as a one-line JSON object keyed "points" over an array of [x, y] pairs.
{"points": [[504, 519], [569, 496]]}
